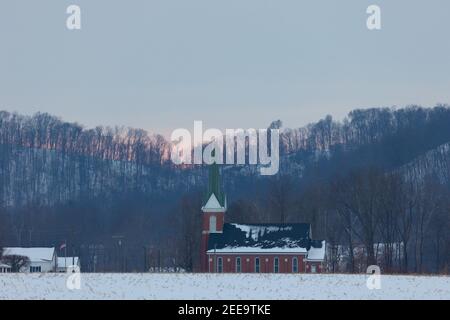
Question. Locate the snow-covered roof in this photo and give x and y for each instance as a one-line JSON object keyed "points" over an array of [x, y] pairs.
{"points": [[4, 266], [256, 231], [34, 254], [285, 249], [317, 251], [261, 238], [213, 205]]}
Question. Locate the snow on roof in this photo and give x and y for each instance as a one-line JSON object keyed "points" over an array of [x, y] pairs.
{"points": [[316, 252], [64, 262], [4, 265], [255, 231], [253, 238], [34, 254], [259, 250], [212, 205]]}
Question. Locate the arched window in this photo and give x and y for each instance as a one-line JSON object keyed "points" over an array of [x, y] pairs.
{"points": [[257, 266], [295, 265], [276, 265], [238, 265], [212, 224], [219, 265]]}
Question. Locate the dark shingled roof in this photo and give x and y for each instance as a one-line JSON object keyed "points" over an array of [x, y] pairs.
{"points": [[262, 236]]}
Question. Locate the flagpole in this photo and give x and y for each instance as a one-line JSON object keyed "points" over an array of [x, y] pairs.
{"points": [[65, 254]]}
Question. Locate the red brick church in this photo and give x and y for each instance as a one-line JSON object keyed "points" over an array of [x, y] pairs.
{"points": [[254, 248]]}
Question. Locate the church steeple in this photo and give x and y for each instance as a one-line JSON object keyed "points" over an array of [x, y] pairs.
{"points": [[214, 186], [214, 208]]}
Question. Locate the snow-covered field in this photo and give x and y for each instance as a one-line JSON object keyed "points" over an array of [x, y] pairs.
{"points": [[215, 286]]}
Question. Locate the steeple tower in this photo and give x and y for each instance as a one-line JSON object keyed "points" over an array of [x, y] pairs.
{"points": [[213, 211], [214, 198]]}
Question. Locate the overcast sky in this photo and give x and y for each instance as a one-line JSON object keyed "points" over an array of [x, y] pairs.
{"points": [[161, 64]]}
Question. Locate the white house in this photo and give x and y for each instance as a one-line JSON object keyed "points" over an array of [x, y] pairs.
{"points": [[65, 262], [41, 259], [4, 268]]}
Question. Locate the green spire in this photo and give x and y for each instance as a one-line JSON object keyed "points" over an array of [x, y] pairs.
{"points": [[214, 184]]}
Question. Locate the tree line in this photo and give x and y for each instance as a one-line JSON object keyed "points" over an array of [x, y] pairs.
{"points": [[377, 179]]}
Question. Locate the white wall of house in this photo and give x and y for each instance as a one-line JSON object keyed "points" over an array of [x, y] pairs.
{"points": [[4, 268], [40, 266], [41, 259], [65, 263]]}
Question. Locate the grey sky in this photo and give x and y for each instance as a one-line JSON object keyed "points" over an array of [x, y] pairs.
{"points": [[160, 65]]}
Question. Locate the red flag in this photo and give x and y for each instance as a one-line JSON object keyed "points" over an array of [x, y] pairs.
{"points": [[62, 246]]}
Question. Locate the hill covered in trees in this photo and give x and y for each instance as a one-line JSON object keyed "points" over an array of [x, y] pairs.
{"points": [[378, 178]]}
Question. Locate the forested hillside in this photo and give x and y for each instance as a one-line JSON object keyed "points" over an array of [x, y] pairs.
{"points": [[380, 176]]}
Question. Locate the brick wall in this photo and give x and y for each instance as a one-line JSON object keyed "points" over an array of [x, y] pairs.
{"points": [[248, 263]]}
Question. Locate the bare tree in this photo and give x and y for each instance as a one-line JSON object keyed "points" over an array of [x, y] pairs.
{"points": [[390, 196], [16, 262], [359, 197], [189, 237], [430, 200], [280, 197], [405, 207], [347, 218]]}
